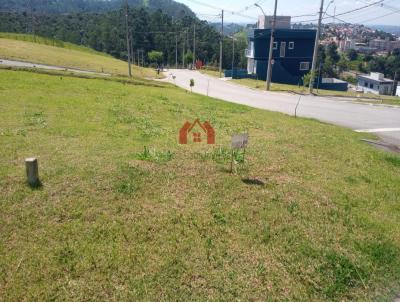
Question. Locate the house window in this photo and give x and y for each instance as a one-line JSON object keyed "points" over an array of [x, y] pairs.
{"points": [[282, 52], [291, 45], [366, 84], [304, 65], [371, 86], [275, 45]]}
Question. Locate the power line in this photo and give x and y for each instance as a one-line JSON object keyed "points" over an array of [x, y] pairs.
{"points": [[394, 10], [306, 15], [347, 12], [259, 2], [220, 9], [383, 16], [368, 11], [360, 8]]}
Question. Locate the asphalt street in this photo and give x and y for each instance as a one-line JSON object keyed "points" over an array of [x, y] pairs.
{"points": [[382, 120]]}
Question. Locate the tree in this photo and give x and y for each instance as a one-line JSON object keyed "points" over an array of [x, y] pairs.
{"points": [[155, 56], [306, 79], [189, 57], [332, 52], [321, 55], [329, 69], [352, 54], [150, 30], [342, 64]]}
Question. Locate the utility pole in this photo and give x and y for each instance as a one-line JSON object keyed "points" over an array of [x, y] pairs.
{"points": [[233, 54], [183, 52], [334, 15], [271, 48], [220, 44], [127, 40], [132, 51], [176, 51], [394, 83], [194, 45], [315, 56]]}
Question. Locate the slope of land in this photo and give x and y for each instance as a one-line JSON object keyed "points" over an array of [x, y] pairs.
{"points": [[125, 213], [41, 50], [171, 7]]}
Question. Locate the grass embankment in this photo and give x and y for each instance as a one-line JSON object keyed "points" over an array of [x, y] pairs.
{"points": [[52, 52], [364, 97], [213, 73], [312, 213]]}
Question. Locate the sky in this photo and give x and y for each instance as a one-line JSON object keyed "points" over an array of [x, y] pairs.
{"points": [[385, 13]]}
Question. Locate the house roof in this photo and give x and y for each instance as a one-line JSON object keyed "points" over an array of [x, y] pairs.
{"points": [[369, 78], [283, 33], [197, 122]]}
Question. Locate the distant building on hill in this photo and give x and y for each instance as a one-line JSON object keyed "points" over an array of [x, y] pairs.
{"points": [[292, 51], [375, 83], [347, 44], [384, 45], [282, 22]]}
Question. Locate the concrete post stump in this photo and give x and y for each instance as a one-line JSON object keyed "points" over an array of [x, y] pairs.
{"points": [[32, 171]]}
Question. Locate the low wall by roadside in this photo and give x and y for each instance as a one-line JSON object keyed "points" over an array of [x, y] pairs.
{"points": [[332, 84], [239, 74]]}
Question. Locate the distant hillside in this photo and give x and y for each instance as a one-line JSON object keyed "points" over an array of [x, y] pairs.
{"points": [[58, 53], [388, 28], [229, 29], [169, 7]]}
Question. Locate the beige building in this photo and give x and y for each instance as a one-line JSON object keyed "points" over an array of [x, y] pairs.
{"points": [[384, 45], [282, 22]]}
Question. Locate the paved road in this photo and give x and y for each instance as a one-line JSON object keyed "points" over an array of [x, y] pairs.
{"points": [[380, 119], [49, 67]]}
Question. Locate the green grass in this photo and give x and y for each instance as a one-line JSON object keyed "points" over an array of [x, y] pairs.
{"points": [[213, 73], [50, 42], [366, 97], [53, 52], [126, 214]]}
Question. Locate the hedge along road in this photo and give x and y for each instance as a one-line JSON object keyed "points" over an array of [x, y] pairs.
{"points": [[383, 120]]}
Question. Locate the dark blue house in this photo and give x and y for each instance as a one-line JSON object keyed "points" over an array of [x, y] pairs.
{"points": [[292, 54]]}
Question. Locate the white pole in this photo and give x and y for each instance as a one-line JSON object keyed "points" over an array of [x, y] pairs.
{"points": [[127, 41], [271, 48], [315, 56], [194, 46], [221, 44]]}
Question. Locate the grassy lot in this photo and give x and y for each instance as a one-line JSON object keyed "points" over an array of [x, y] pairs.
{"points": [[125, 213], [369, 97], [213, 73], [41, 50]]}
